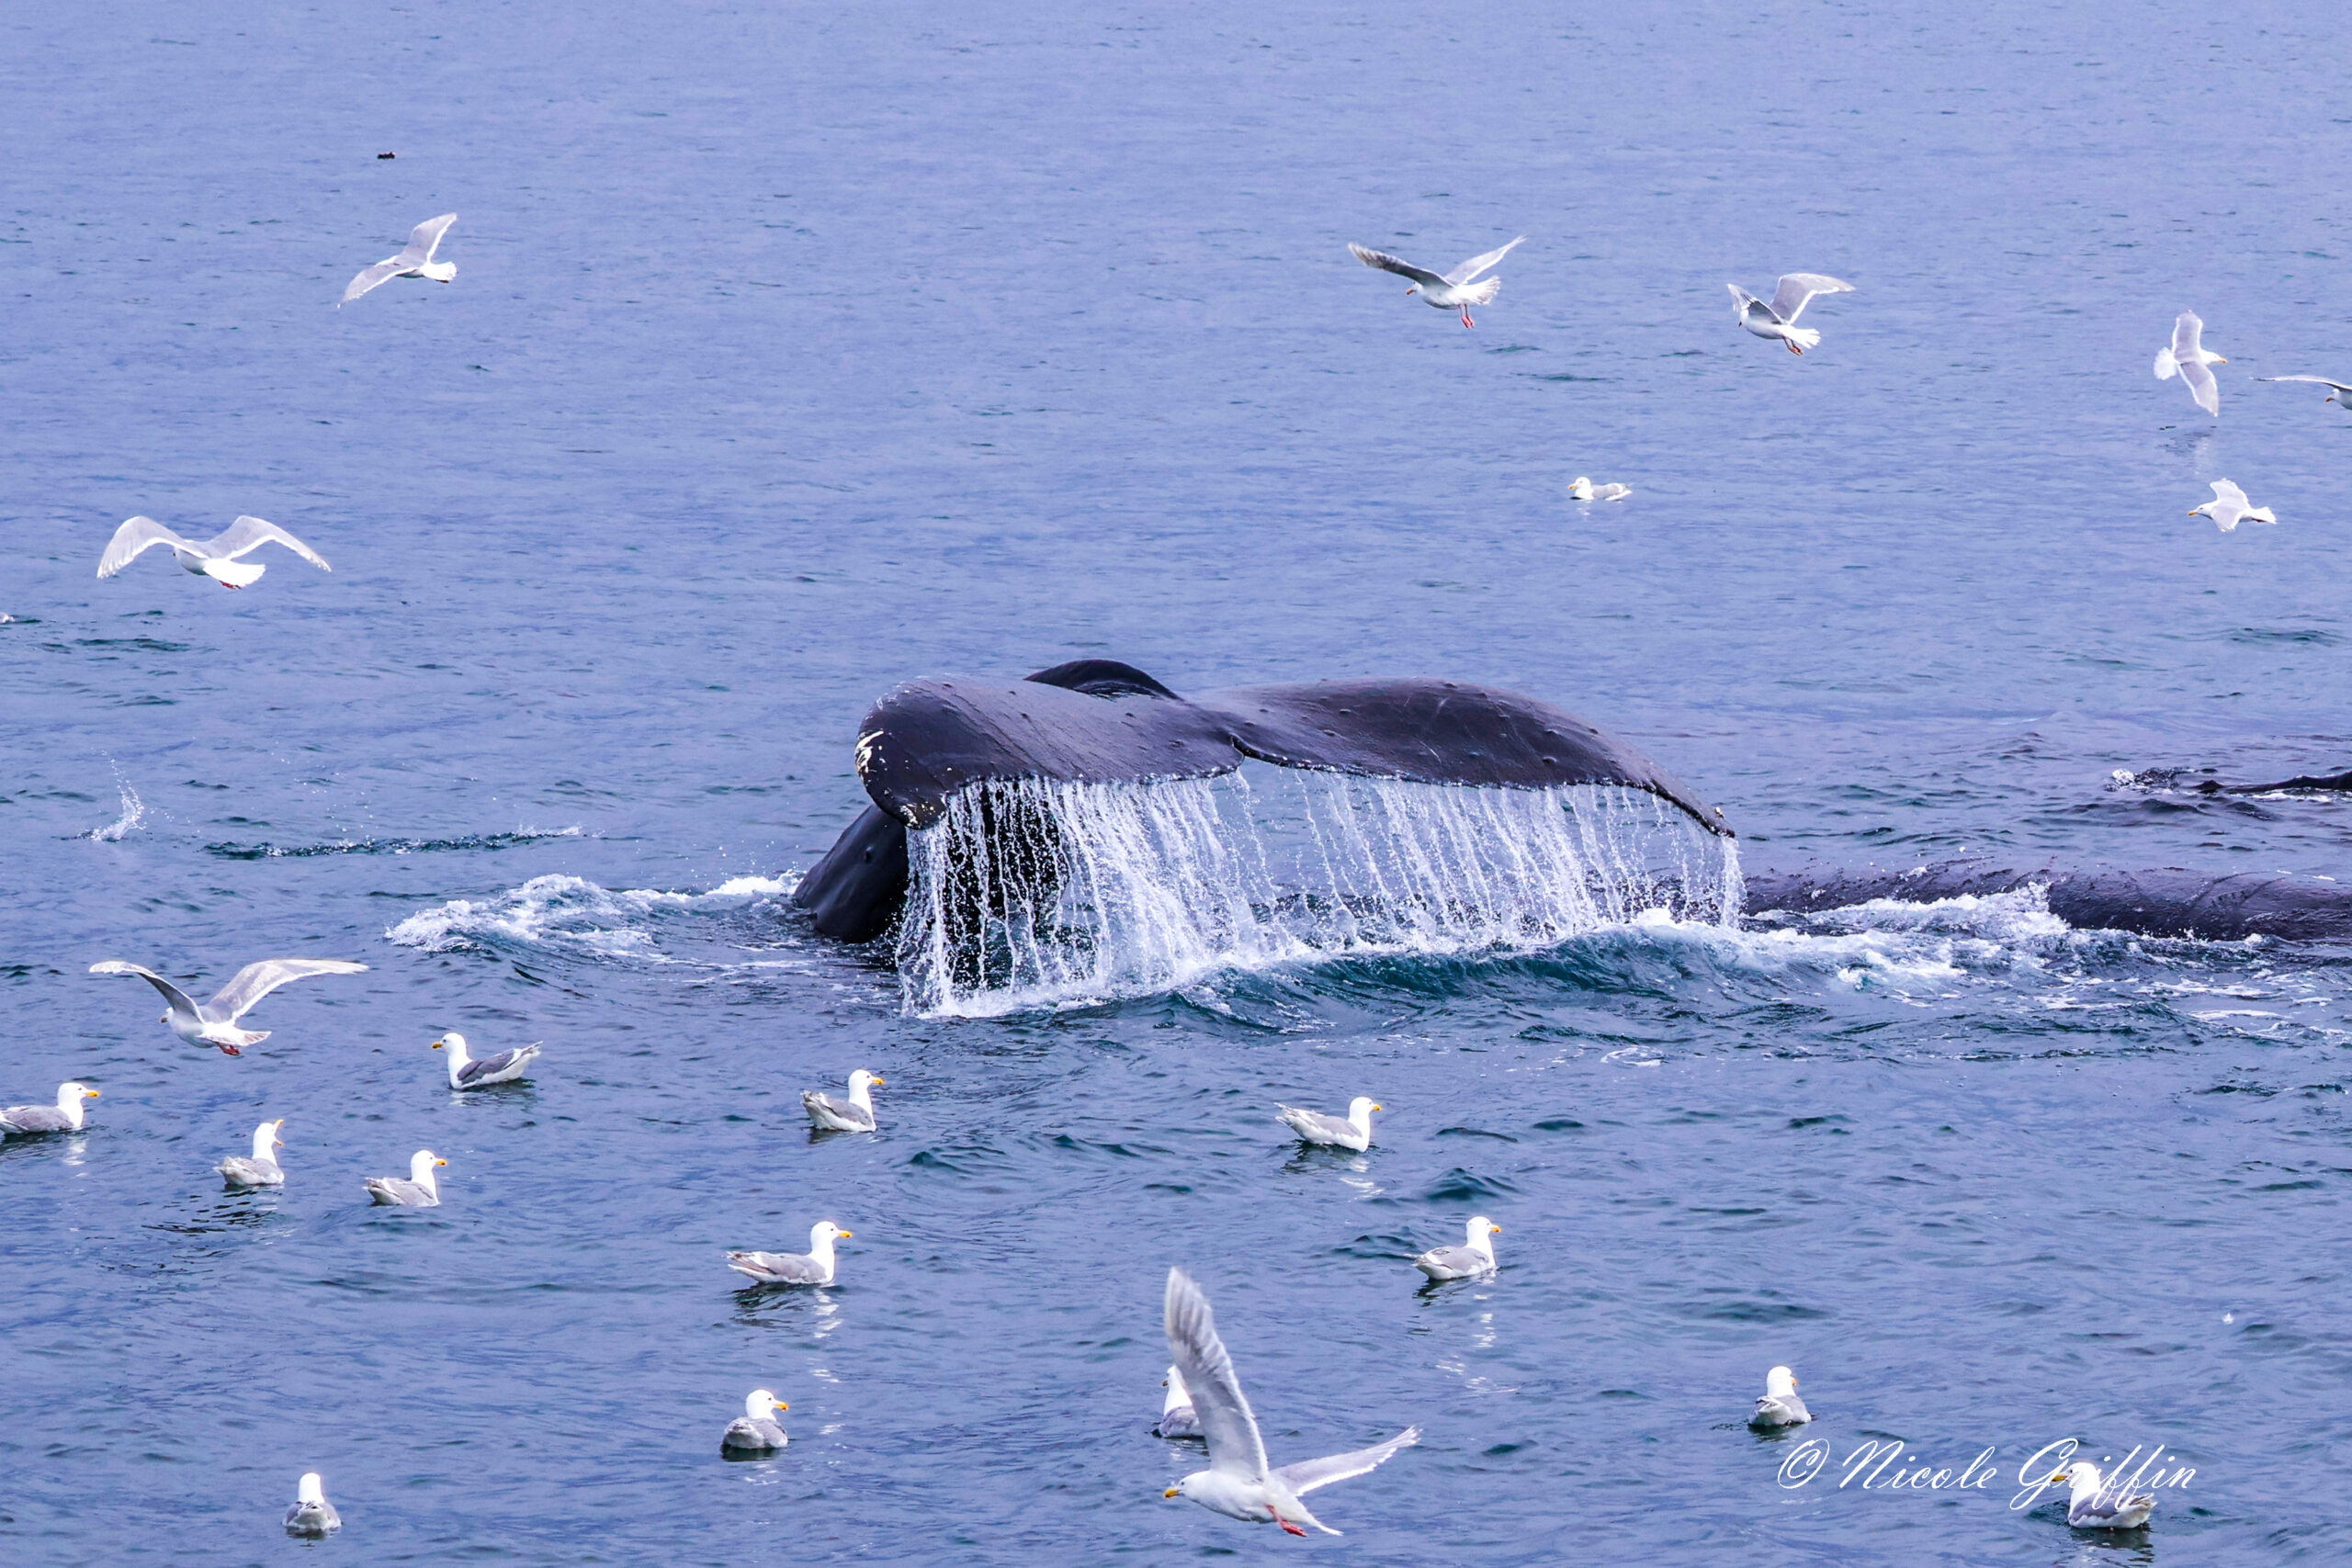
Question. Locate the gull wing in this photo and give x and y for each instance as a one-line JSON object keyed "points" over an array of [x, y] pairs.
{"points": [[425, 239], [2201, 385], [136, 535], [1307, 1474], [1797, 290], [2315, 380], [256, 981], [181, 1001], [382, 272], [778, 1267], [2225, 491], [2185, 333], [1315, 1124], [1232, 1430], [1387, 263], [247, 534], [481, 1065], [1478, 264]]}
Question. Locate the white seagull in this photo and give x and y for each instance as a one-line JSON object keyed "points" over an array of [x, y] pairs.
{"points": [[1779, 319], [814, 1267], [311, 1514], [755, 1431], [1354, 1132], [1177, 1417], [262, 1169], [1238, 1482], [1455, 290], [216, 558], [1779, 1405], [2228, 508], [2187, 359], [1584, 490], [215, 1022], [421, 1191], [472, 1072], [854, 1114], [2335, 389], [1473, 1258], [2086, 1510], [65, 1116], [415, 260]]}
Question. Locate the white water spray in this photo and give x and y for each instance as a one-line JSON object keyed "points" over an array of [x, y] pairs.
{"points": [[1039, 893], [133, 813]]}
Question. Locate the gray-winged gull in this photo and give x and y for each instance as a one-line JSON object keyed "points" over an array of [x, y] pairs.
{"points": [[215, 1022], [2229, 508], [261, 1169], [755, 1431], [2335, 389], [1778, 319], [1455, 290], [1475, 1257], [2187, 358], [854, 1114], [1177, 1417], [415, 260], [311, 1514], [65, 1116], [1779, 1405], [1584, 490], [1238, 1482], [814, 1267], [2086, 1509], [421, 1191], [1351, 1132], [218, 558], [479, 1072]]}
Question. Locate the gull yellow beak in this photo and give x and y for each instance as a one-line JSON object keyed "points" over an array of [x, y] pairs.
{"points": [[2195, 510], [877, 1080], [1495, 1228], [438, 1044], [1172, 1490], [91, 1092], [1380, 1108], [839, 1233], [780, 1404], [2219, 360], [440, 1162]]}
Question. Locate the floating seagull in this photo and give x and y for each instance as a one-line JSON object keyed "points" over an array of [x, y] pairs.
{"points": [[1351, 1132], [2187, 359], [2228, 508], [2086, 1510], [1239, 1483], [1779, 319], [814, 1267], [1177, 1417], [65, 1116], [415, 260], [312, 1513], [854, 1114], [216, 558], [1584, 490], [1450, 291], [421, 1191], [215, 1022], [469, 1072], [1779, 1405], [262, 1169], [755, 1431], [2335, 389], [1475, 1257]]}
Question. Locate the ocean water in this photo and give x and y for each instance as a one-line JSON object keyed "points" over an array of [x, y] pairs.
{"points": [[796, 351]]}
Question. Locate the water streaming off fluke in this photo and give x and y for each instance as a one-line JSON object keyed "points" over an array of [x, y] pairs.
{"points": [[1036, 893]]}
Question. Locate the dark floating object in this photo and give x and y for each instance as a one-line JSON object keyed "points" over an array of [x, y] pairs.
{"points": [[2165, 902], [1099, 721], [387, 155], [2342, 781]]}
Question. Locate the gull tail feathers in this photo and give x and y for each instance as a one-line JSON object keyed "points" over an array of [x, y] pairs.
{"points": [[1803, 338], [2167, 365], [234, 573], [1483, 294]]}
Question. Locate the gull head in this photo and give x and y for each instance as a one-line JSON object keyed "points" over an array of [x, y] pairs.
{"points": [[2083, 1474], [823, 1233], [761, 1402], [309, 1489], [1781, 1383], [421, 1166], [452, 1042], [862, 1080], [71, 1095], [1362, 1107], [1480, 1228], [1178, 1394]]}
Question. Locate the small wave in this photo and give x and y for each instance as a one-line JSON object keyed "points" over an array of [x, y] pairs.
{"points": [[133, 813], [391, 846], [571, 912]]}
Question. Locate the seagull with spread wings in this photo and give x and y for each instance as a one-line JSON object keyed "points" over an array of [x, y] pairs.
{"points": [[1455, 290], [2231, 506], [215, 1022], [415, 260], [218, 558], [1779, 319], [1238, 1482], [2336, 390], [2187, 358]]}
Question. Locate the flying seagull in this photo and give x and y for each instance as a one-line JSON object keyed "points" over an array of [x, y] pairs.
{"points": [[480, 1072], [215, 557], [215, 1022], [814, 1267], [1779, 1405], [854, 1114], [1779, 319], [1352, 1131], [2087, 1510], [2228, 508], [415, 260], [2335, 389], [2187, 359], [1454, 290], [1238, 1482]]}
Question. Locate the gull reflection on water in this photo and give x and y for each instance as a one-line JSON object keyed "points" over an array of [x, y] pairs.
{"points": [[810, 1308]]}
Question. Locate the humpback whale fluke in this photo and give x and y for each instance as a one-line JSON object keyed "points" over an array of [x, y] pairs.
{"points": [[1099, 721]]}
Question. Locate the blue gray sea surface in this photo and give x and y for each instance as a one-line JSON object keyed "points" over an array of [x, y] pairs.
{"points": [[798, 350]]}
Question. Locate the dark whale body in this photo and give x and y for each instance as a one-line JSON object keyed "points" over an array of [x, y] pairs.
{"points": [[2166, 902], [1097, 721]]}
